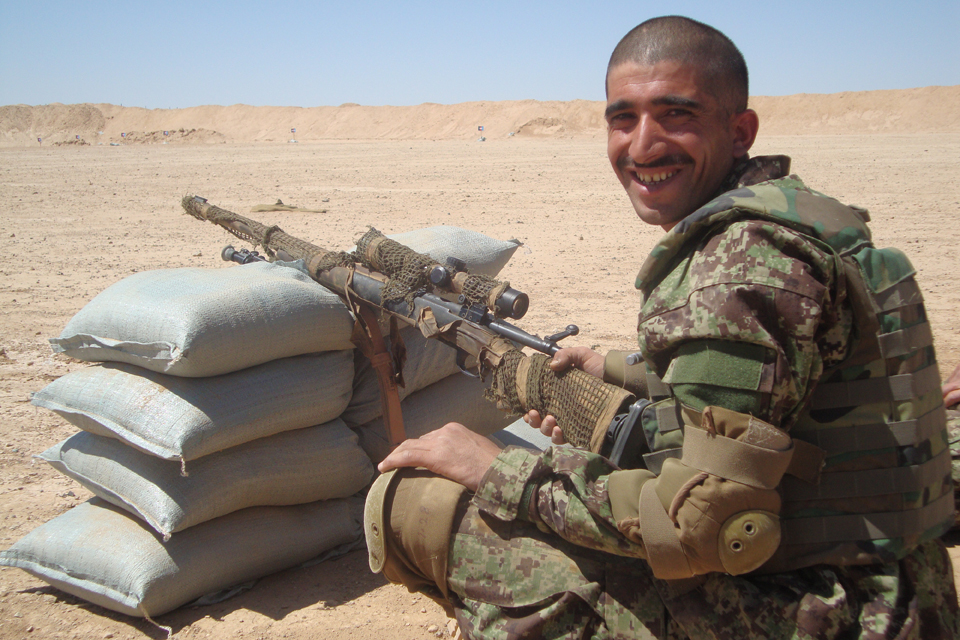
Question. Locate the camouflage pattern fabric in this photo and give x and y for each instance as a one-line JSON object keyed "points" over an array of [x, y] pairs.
{"points": [[953, 433], [545, 561], [538, 553]]}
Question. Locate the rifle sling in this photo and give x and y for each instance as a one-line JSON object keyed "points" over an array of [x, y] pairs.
{"points": [[367, 337]]}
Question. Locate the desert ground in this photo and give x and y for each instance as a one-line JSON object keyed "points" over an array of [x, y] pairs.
{"points": [[76, 218]]}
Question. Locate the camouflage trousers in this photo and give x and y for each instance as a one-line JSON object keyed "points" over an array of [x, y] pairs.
{"points": [[512, 580], [953, 434]]}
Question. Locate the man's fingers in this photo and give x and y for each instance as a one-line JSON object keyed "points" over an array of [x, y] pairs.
{"points": [[952, 398], [548, 425]]}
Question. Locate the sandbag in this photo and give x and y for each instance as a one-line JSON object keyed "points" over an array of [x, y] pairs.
{"points": [[103, 554], [204, 322], [187, 418], [428, 361], [457, 398], [294, 467], [482, 254]]}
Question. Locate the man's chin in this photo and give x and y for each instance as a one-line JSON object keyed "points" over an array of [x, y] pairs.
{"points": [[662, 217]]}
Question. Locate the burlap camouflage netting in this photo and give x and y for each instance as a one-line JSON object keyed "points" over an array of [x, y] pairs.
{"points": [[582, 404], [272, 238], [409, 271]]}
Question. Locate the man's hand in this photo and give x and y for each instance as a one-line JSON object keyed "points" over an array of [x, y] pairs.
{"points": [[452, 451], [582, 358], [951, 388]]}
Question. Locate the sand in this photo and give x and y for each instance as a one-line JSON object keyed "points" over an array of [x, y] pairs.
{"points": [[77, 218]]}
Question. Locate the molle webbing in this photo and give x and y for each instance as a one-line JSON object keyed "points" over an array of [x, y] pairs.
{"points": [[870, 482], [902, 294], [904, 341], [668, 418], [868, 526], [870, 437], [409, 272], [583, 405], [899, 388]]}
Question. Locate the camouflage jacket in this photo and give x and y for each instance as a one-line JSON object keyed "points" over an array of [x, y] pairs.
{"points": [[738, 312], [773, 294], [744, 275]]}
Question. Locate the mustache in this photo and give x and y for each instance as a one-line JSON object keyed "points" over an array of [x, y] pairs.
{"points": [[626, 162]]}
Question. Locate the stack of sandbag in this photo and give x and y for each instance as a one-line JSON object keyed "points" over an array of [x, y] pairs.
{"points": [[215, 430]]}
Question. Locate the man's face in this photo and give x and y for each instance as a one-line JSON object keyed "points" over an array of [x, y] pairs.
{"points": [[670, 141]]}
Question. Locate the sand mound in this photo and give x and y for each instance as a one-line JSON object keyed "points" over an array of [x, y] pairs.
{"points": [[924, 110]]}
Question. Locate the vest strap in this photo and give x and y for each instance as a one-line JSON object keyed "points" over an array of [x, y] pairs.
{"points": [[667, 418], [904, 341], [654, 461], [868, 526], [833, 395], [868, 437], [656, 387], [807, 461], [873, 482], [903, 294]]}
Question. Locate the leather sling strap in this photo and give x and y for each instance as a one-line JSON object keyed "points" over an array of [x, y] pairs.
{"points": [[369, 340]]}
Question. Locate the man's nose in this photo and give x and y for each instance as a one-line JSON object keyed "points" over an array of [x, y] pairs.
{"points": [[647, 143]]}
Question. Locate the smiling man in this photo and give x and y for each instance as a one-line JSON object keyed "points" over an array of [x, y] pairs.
{"points": [[797, 474]]}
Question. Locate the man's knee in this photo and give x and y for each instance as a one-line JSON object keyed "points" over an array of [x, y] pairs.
{"points": [[408, 520]]}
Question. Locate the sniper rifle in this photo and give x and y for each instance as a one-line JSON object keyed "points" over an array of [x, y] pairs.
{"points": [[463, 310]]}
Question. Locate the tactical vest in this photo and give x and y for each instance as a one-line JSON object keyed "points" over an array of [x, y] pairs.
{"points": [[885, 484]]}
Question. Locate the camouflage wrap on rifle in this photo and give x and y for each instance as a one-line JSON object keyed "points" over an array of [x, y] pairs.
{"points": [[583, 404]]}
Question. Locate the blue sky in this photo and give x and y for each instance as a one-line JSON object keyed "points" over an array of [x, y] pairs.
{"points": [[181, 54]]}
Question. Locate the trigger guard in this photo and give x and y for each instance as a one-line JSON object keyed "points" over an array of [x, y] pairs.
{"points": [[462, 364]]}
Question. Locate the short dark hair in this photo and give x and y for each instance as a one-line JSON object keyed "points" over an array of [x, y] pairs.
{"points": [[689, 42]]}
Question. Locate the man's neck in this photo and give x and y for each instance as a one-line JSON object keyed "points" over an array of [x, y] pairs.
{"points": [[749, 171]]}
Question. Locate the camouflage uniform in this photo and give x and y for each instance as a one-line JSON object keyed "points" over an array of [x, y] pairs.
{"points": [[537, 551], [953, 431]]}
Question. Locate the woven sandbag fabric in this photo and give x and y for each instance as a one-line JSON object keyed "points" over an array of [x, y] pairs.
{"points": [[577, 399], [323, 462], [103, 554]]}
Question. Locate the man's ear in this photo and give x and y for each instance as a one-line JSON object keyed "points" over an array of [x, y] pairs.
{"points": [[744, 127]]}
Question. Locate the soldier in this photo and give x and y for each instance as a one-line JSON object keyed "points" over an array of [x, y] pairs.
{"points": [[951, 399], [798, 470]]}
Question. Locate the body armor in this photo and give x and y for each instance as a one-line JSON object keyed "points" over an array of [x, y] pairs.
{"points": [[882, 483]]}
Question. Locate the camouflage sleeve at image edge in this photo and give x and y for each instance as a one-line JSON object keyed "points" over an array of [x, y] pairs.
{"points": [[562, 490], [953, 433]]}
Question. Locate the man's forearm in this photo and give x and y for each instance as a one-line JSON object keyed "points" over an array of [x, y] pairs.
{"points": [[563, 490]]}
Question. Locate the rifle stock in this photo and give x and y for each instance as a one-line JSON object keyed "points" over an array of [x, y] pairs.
{"points": [[583, 405]]}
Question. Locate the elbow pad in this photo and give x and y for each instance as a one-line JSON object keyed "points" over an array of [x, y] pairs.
{"points": [[716, 508]]}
